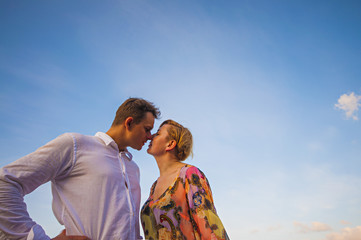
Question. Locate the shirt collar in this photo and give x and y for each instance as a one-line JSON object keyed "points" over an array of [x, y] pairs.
{"points": [[105, 137], [127, 155], [110, 141]]}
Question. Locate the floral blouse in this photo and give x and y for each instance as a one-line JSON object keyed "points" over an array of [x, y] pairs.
{"points": [[184, 211]]}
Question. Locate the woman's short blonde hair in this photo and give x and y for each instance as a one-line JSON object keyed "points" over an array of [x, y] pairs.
{"points": [[182, 136]]}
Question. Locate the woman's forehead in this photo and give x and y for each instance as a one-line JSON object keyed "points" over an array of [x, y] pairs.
{"points": [[164, 127]]}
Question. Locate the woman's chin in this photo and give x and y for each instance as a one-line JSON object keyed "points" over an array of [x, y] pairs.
{"points": [[148, 151]]}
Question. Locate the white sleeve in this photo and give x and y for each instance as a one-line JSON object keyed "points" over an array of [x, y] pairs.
{"points": [[51, 161], [37, 233]]}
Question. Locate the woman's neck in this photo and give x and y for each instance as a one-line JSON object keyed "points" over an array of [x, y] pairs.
{"points": [[168, 165]]}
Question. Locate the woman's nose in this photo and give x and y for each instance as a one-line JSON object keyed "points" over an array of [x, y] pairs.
{"points": [[150, 136]]}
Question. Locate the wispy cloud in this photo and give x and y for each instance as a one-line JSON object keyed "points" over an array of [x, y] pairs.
{"points": [[350, 104], [323, 190], [274, 228], [346, 234], [39, 74], [253, 231], [315, 227], [343, 222]]}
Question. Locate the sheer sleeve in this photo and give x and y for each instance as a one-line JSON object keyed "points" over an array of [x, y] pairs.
{"points": [[202, 211]]}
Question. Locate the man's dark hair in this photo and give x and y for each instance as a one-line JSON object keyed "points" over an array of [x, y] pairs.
{"points": [[135, 108]]}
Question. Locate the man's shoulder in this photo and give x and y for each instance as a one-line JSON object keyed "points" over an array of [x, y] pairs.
{"points": [[78, 136], [74, 138]]}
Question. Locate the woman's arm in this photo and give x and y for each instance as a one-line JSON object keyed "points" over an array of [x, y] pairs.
{"points": [[202, 210]]}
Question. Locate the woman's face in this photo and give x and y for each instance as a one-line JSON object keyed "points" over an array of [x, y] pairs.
{"points": [[159, 142]]}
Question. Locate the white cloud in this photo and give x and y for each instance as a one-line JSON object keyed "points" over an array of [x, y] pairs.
{"points": [[346, 234], [274, 228], [350, 104], [343, 222], [315, 227], [320, 227]]}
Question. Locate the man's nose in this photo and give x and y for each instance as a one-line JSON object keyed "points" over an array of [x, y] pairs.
{"points": [[149, 136]]}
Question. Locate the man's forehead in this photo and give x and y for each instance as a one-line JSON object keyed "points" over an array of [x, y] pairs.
{"points": [[148, 119]]}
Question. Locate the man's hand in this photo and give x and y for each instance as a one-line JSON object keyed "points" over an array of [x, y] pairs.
{"points": [[63, 236]]}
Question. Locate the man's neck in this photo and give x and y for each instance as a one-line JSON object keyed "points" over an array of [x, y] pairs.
{"points": [[116, 133]]}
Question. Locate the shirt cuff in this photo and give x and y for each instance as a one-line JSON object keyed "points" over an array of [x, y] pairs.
{"points": [[37, 233]]}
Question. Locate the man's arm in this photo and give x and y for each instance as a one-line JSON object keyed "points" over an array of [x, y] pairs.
{"points": [[51, 161]]}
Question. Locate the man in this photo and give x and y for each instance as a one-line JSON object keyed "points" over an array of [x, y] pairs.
{"points": [[95, 183]]}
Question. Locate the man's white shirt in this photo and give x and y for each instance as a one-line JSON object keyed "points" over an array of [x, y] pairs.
{"points": [[95, 188]]}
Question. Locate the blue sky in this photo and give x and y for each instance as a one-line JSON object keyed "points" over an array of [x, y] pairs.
{"points": [[271, 91]]}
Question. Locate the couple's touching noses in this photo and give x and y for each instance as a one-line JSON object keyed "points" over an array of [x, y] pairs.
{"points": [[96, 184]]}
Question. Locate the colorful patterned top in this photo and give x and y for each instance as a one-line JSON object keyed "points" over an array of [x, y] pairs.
{"points": [[184, 211]]}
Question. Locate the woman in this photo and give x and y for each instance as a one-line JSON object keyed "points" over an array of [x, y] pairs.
{"points": [[180, 204]]}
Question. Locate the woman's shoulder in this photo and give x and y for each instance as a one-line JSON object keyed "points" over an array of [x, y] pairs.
{"points": [[189, 170]]}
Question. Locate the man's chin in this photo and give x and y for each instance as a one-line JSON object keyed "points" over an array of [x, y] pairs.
{"points": [[139, 147]]}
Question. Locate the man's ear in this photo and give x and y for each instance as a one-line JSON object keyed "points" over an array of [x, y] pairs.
{"points": [[128, 122], [171, 145]]}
